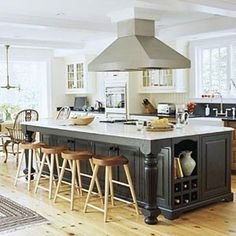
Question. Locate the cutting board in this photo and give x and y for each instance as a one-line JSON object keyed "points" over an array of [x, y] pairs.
{"points": [[160, 129]]}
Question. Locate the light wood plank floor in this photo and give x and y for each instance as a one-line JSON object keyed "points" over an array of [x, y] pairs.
{"points": [[217, 219]]}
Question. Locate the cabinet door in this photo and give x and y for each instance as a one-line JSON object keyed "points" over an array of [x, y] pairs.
{"points": [[70, 76], [163, 184], [156, 81], [215, 165], [75, 78]]}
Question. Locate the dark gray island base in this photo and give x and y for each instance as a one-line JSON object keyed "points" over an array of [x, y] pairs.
{"points": [[151, 161]]}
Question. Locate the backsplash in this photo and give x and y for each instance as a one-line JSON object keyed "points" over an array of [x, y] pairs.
{"points": [[200, 108], [176, 98]]}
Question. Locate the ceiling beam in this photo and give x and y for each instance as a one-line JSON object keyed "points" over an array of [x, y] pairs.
{"points": [[215, 7], [41, 43], [212, 26], [44, 22]]}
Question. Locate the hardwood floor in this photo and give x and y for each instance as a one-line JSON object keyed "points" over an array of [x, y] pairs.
{"points": [[217, 219]]}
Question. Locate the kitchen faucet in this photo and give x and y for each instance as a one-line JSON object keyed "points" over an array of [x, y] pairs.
{"points": [[221, 104]]}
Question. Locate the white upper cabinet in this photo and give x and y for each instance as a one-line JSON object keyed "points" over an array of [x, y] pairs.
{"points": [[78, 79], [162, 81], [75, 79]]}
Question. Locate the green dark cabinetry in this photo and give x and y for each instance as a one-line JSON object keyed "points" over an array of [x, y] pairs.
{"points": [[209, 182]]}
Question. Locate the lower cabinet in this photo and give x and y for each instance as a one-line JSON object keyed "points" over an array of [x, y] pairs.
{"points": [[209, 181], [215, 165]]}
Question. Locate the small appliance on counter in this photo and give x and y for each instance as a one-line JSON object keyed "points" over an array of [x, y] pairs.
{"points": [[166, 108], [80, 104]]}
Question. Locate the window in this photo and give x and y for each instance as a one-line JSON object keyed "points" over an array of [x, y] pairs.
{"points": [[31, 76], [213, 67]]}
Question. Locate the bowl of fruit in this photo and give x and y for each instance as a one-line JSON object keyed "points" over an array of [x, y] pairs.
{"points": [[160, 125]]}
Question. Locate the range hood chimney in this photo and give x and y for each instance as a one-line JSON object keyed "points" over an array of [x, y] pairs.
{"points": [[136, 48]]}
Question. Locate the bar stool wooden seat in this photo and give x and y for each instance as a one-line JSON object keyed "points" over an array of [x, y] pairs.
{"points": [[108, 162], [34, 152], [74, 158], [50, 154]]}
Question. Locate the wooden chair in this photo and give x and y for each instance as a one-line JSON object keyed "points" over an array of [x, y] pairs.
{"points": [[16, 136], [64, 113]]}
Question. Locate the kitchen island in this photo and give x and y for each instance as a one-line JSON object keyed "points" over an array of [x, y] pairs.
{"points": [[151, 160]]}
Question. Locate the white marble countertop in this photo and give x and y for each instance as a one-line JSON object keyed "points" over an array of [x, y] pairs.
{"points": [[126, 131]]}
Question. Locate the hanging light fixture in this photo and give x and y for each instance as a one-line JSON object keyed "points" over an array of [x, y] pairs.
{"points": [[8, 86]]}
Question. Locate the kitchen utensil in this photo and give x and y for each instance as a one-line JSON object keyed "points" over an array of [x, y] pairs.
{"points": [[148, 107]]}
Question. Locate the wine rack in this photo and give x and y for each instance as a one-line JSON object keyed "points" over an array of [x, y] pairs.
{"points": [[186, 189]]}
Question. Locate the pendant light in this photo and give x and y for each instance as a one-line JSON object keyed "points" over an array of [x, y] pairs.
{"points": [[8, 86]]}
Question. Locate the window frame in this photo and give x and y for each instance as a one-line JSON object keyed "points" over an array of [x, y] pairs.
{"points": [[195, 53]]}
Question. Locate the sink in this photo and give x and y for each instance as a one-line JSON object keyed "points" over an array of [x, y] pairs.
{"points": [[212, 121]]}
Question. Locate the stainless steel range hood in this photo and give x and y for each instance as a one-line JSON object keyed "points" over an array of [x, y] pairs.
{"points": [[136, 48]]}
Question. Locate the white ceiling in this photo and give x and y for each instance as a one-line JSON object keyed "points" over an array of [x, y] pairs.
{"points": [[81, 25]]}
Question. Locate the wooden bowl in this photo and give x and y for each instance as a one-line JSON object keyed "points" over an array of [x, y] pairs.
{"points": [[82, 120]]}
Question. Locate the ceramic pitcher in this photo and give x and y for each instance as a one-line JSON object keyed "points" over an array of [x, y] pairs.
{"points": [[181, 116], [187, 162]]}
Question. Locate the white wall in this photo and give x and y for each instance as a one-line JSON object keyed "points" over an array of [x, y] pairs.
{"points": [[58, 86]]}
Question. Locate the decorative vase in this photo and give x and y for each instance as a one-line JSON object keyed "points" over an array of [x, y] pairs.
{"points": [[187, 162]]}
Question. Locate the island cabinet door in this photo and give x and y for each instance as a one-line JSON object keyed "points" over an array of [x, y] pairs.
{"points": [[215, 158], [163, 182]]}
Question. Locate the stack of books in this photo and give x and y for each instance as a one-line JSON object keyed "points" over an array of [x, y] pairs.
{"points": [[178, 172]]}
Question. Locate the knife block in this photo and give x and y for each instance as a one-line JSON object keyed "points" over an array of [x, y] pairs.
{"points": [[149, 109]]}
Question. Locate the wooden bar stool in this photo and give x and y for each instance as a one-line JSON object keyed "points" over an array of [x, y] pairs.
{"points": [[74, 158], [34, 152], [50, 154], [108, 163]]}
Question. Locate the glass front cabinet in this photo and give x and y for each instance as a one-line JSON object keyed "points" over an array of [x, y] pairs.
{"points": [[76, 78], [162, 81]]}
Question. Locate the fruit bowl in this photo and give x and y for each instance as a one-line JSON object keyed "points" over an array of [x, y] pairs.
{"points": [[82, 120], [160, 123]]}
